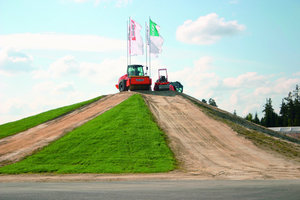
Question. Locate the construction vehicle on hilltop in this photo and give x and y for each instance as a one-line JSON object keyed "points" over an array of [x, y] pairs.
{"points": [[135, 79], [163, 84]]}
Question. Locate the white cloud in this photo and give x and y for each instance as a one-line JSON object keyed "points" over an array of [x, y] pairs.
{"points": [[65, 87], [199, 80], [207, 29], [103, 75], [296, 73], [248, 91], [104, 72], [244, 93], [12, 105], [12, 62], [64, 66], [251, 108], [52, 41], [53, 88], [66, 81], [42, 96], [248, 79], [279, 86]]}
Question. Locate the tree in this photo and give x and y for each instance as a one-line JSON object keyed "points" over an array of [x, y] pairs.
{"points": [[270, 118], [290, 109], [256, 119], [283, 114], [249, 117], [234, 112], [212, 102], [289, 114], [204, 101], [297, 106]]}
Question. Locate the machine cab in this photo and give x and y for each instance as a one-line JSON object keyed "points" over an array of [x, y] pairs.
{"points": [[135, 70], [163, 76]]}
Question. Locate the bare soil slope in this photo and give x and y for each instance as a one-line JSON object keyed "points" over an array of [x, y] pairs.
{"points": [[207, 147], [16, 147]]}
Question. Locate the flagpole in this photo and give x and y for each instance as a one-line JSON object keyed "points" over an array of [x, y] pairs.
{"points": [[127, 36], [149, 49], [129, 40], [146, 46]]}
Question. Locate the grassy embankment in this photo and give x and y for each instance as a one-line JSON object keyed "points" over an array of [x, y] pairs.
{"points": [[259, 135], [124, 139], [12, 128]]}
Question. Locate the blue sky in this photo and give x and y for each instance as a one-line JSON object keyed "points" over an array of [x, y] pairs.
{"points": [[58, 52]]}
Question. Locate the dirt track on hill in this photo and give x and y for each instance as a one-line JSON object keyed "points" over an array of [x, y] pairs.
{"points": [[207, 147], [16, 147]]}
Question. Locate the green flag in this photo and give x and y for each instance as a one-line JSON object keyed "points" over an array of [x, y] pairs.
{"points": [[153, 29], [156, 40]]}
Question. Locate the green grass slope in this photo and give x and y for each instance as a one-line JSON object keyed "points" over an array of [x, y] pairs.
{"points": [[124, 139], [259, 135], [12, 128]]}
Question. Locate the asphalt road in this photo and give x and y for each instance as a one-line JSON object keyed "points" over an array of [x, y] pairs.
{"points": [[264, 189]]}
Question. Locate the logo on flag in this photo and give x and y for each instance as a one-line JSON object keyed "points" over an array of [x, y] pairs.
{"points": [[136, 45]]}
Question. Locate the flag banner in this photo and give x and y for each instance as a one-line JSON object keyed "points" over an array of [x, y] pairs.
{"points": [[136, 45], [156, 40]]}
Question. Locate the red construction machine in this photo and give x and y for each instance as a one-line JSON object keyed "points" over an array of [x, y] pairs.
{"points": [[163, 83], [135, 79]]}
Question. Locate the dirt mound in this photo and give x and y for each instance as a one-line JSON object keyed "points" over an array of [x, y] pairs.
{"points": [[209, 147], [205, 147], [16, 147]]}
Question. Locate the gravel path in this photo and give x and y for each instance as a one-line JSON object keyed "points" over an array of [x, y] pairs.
{"points": [[208, 147]]}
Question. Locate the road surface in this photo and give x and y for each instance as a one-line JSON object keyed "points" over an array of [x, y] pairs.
{"points": [[139, 190]]}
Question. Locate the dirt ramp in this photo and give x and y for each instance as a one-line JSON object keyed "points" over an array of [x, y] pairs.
{"points": [[18, 146], [205, 146]]}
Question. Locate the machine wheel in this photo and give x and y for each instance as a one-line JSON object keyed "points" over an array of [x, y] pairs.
{"points": [[122, 86]]}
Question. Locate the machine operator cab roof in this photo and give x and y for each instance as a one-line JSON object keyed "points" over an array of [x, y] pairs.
{"points": [[135, 70]]}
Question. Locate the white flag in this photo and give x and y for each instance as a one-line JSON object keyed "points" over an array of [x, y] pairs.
{"points": [[136, 45], [156, 41]]}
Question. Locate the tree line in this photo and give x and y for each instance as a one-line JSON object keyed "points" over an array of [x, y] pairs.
{"points": [[289, 114]]}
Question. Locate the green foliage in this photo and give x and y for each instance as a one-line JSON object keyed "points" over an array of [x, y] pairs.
{"points": [[12, 128], [249, 117], [289, 114], [270, 118], [124, 139], [256, 119], [290, 109], [212, 102]]}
